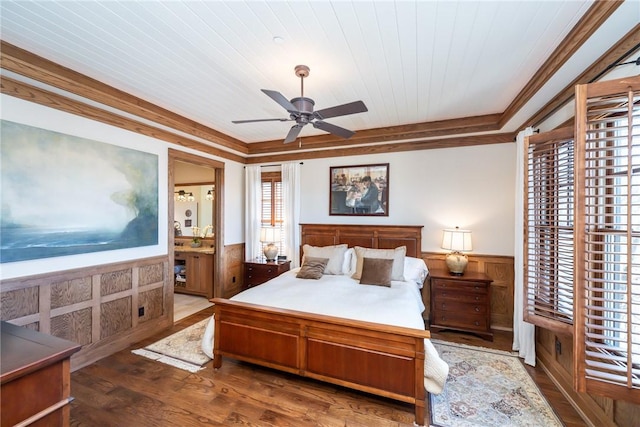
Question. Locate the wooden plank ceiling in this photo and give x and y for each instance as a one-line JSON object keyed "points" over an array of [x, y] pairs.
{"points": [[427, 70]]}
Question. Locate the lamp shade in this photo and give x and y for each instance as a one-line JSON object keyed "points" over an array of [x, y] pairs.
{"points": [[269, 234], [456, 239]]}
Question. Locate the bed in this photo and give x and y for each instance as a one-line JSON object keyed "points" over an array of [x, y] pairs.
{"points": [[372, 349]]}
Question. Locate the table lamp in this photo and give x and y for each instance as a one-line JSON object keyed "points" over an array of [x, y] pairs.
{"points": [[270, 235], [456, 240]]}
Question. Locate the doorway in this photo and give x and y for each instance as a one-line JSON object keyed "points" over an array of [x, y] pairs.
{"points": [[198, 182]]}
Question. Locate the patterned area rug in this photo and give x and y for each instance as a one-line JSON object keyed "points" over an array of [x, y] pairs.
{"points": [[487, 387], [182, 349]]}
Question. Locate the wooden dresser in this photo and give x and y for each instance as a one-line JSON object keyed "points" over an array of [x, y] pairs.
{"points": [[257, 272], [461, 303], [35, 377]]}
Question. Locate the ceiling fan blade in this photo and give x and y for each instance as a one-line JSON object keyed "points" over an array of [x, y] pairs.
{"points": [[260, 120], [341, 110], [336, 130], [280, 99], [293, 133]]}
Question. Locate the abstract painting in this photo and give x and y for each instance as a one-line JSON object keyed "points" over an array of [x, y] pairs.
{"points": [[65, 195]]}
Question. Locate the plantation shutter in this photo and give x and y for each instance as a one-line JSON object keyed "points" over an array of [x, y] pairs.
{"points": [[607, 330], [548, 237]]}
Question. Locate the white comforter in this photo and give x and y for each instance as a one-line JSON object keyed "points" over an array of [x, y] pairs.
{"points": [[340, 296]]}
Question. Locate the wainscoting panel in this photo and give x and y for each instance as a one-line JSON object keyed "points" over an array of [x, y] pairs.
{"points": [[104, 308], [233, 279]]}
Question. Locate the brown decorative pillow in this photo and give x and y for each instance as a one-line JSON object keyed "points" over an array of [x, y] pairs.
{"points": [[376, 271], [312, 268]]}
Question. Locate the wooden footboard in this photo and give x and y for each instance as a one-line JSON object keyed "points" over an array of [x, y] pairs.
{"points": [[379, 359]]}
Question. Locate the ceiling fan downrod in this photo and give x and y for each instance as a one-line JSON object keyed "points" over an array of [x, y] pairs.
{"points": [[302, 71]]}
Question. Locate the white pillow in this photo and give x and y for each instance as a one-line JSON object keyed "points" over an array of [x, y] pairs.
{"points": [[415, 270], [397, 254], [335, 254], [349, 264]]}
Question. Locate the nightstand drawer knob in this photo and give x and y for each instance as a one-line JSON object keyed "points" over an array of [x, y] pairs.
{"points": [[477, 298], [477, 323], [477, 288], [444, 306], [477, 308]]}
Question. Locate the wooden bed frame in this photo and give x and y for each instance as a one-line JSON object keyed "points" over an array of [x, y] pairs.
{"points": [[384, 360]]}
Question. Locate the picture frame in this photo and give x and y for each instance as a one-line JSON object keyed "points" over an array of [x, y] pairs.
{"points": [[359, 190]]}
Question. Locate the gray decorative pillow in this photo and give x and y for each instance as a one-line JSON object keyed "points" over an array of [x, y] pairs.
{"points": [[312, 268], [376, 271]]}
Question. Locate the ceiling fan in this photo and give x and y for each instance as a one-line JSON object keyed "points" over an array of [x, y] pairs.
{"points": [[301, 111]]}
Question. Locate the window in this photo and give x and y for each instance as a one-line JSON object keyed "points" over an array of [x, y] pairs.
{"points": [[607, 339], [548, 240], [272, 209]]}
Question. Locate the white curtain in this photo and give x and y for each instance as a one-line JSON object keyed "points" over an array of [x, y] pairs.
{"points": [[291, 211], [253, 212], [524, 336]]}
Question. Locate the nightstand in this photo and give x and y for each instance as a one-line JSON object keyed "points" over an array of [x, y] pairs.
{"points": [[257, 272], [461, 303]]}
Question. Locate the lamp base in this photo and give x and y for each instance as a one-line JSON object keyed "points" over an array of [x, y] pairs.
{"points": [[456, 263], [271, 252]]}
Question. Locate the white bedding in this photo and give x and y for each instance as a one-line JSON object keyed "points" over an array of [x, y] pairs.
{"points": [[341, 296]]}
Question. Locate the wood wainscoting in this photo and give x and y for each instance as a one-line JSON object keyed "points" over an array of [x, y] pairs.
{"points": [[103, 308], [499, 268], [555, 354], [232, 274]]}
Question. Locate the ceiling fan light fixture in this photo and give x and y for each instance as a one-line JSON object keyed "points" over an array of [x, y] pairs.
{"points": [[301, 111]]}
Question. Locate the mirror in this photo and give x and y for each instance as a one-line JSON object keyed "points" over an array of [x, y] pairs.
{"points": [[194, 195], [196, 210]]}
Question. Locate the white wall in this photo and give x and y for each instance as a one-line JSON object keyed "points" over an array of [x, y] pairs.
{"points": [[469, 187]]}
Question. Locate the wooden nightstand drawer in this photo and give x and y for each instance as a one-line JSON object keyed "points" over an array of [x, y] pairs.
{"points": [[466, 286], [468, 323], [453, 295], [460, 307], [257, 272]]}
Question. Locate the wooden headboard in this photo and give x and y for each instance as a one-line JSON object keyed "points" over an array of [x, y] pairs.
{"points": [[368, 236]]}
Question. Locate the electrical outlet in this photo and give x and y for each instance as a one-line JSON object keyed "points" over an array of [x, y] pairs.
{"points": [[233, 280], [558, 346], [140, 311]]}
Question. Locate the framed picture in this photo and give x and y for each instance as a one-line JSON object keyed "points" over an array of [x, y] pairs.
{"points": [[359, 190]]}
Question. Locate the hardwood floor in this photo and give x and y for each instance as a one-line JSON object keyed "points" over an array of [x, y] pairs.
{"points": [[128, 390], [185, 305]]}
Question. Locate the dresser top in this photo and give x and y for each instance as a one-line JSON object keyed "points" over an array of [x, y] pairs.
{"points": [[25, 351]]}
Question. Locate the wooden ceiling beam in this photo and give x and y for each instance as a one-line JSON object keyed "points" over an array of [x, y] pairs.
{"points": [[630, 41], [362, 150], [30, 93], [597, 14], [20, 61], [486, 123]]}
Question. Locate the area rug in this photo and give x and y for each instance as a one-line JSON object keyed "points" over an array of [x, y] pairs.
{"points": [[182, 350], [487, 387]]}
